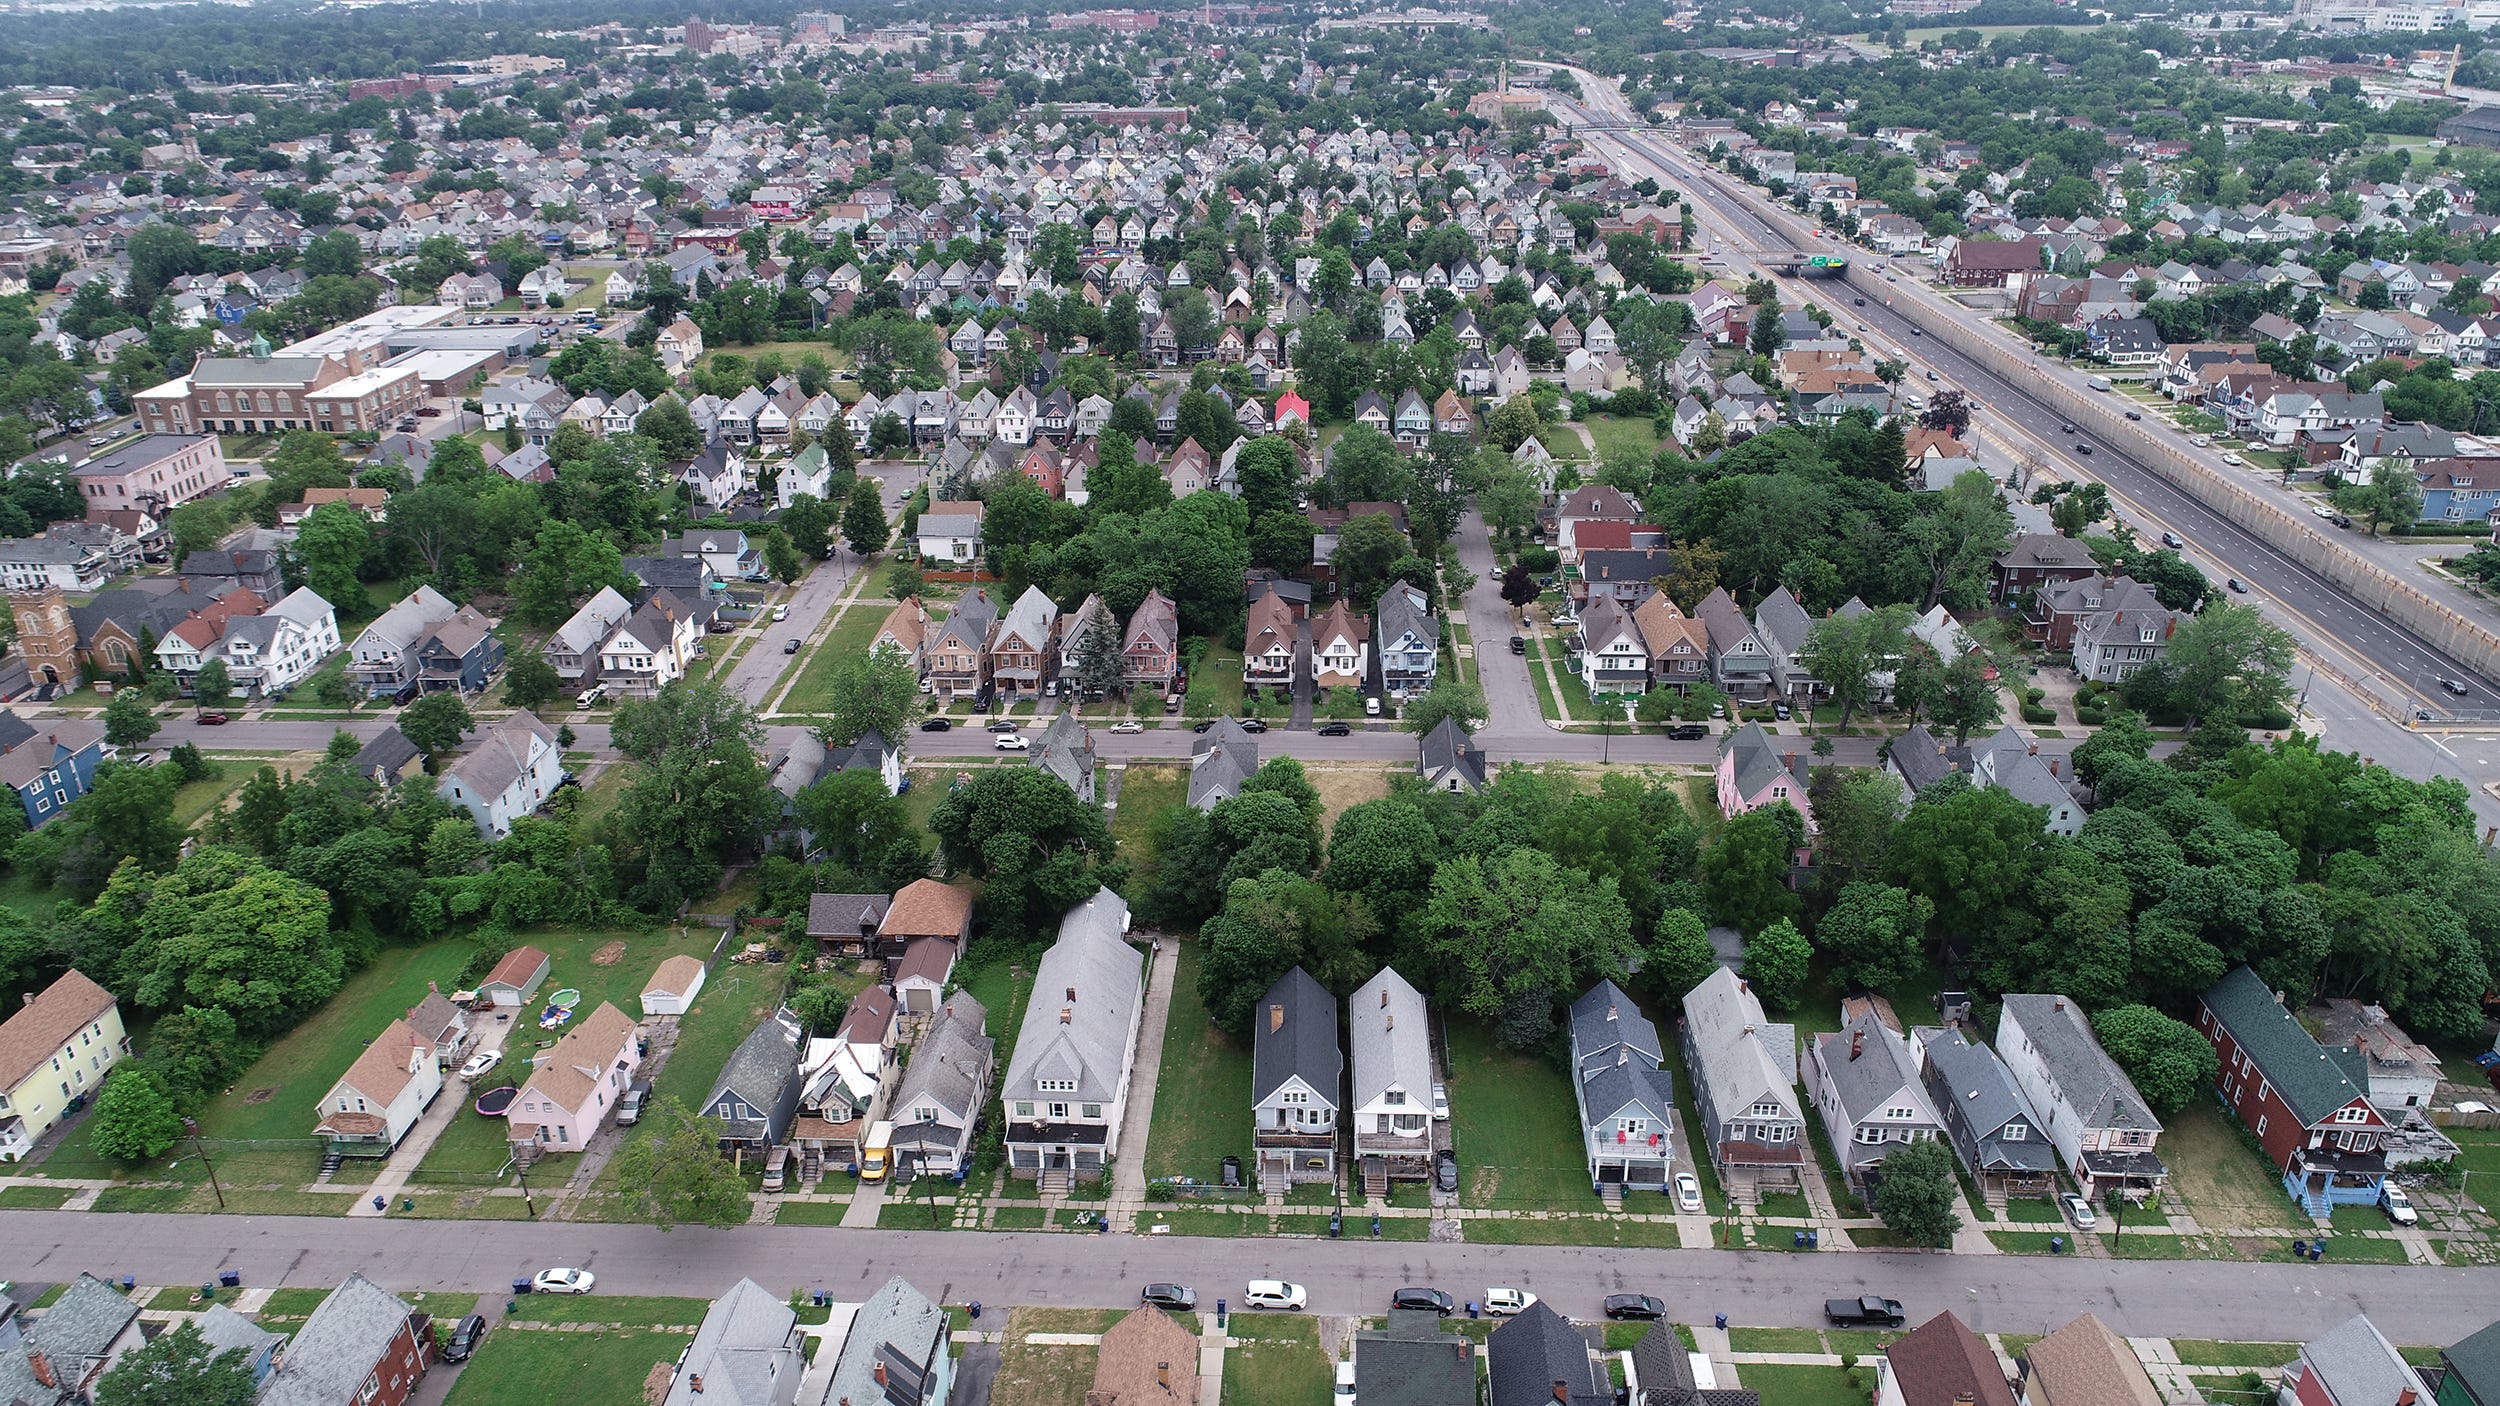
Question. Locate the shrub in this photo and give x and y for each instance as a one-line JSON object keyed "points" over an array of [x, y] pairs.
{"points": [[2090, 717], [2038, 716]]}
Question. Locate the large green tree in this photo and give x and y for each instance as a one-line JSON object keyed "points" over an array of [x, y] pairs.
{"points": [[1039, 850], [2168, 1061], [178, 1368], [873, 690], [1508, 939], [698, 793], [135, 1118], [1918, 1198], [672, 1172], [1870, 939]]}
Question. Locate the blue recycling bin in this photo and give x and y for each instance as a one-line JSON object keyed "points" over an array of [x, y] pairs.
{"points": [[129, 1282], [1720, 1321], [1375, 1227], [2057, 1244], [381, 1203], [2317, 1252], [1797, 1238], [1814, 1239], [1336, 1226], [1471, 1309], [974, 1308], [521, 1286], [1220, 1308], [231, 1278]]}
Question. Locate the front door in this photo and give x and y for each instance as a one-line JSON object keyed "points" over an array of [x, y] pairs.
{"points": [[1058, 1159]]}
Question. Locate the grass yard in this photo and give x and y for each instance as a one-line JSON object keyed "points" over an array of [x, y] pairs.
{"points": [[1575, 1230], [810, 1212], [2225, 1185], [35, 1198], [2136, 1245], [1002, 994], [1774, 1340], [2206, 1352], [195, 799], [1202, 1097], [1513, 1122], [1803, 1386], [734, 1001], [2029, 1210], [1145, 792], [2349, 1249], [2478, 1154], [518, 1367], [2017, 1242], [633, 1312], [812, 691], [1045, 1376], [600, 795], [1621, 435], [1282, 1366], [1341, 788]]}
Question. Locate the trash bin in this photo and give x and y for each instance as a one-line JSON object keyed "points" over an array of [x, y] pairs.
{"points": [[1797, 1238], [1471, 1309], [381, 1203], [1220, 1307], [974, 1308], [1375, 1227], [129, 1282], [407, 1203], [521, 1286], [1336, 1226], [2057, 1244], [231, 1278], [1720, 1321], [2300, 1249], [2317, 1252], [1814, 1239]]}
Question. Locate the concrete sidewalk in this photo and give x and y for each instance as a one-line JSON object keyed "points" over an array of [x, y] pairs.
{"points": [[421, 1138], [1128, 1173]]}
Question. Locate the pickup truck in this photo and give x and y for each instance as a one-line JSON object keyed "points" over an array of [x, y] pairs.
{"points": [[1867, 1312]]}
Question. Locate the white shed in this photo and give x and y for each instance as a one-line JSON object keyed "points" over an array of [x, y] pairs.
{"points": [[672, 989]]}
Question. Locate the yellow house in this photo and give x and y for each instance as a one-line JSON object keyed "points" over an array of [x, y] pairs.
{"points": [[54, 1051]]}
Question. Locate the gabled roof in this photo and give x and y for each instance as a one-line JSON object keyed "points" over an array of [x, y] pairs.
{"points": [[1392, 1046], [1868, 1067], [2086, 1362], [2305, 1073], [1969, 1085], [1742, 1057], [1536, 1358], [898, 1329], [2358, 1366], [2089, 1080], [1616, 1057], [1760, 761], [749, 1337], [759, 1071], [338, 1346], [36, 1031], [947, 1064], [1294, 1036], [1942, 1361], [1084, 1040], [566, 1074], [1446, 747]]}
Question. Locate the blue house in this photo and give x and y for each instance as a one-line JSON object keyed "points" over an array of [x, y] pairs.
{"points": [[48, 767], [2458, 490]]}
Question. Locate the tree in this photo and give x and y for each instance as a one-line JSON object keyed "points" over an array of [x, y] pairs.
{"points": [[2170, 1063], [135, 1118], [434, 725], [1519, 587], [1918, 1199], [1767, 336], [1447, 698], [699, 788], [333, 542], [1508, 938], [212, 686], [854, 819], [1678, 955], [1776, 961], [1745, 873], [2123, 738], [2392, 493], [1270, 924], [530, 681], [863, 518], [1854, 809], [1040, 849], [1512, 423], [1870, 939], [808, 522], [1508, 501], [566, 566], [1972, 851], [1847, 651], [222, 931], [673, 1174], [875, 690], [128, 720], [1100, 667], [2229, 660], [178, 1368]]}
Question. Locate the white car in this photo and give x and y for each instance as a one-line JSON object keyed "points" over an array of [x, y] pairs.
{"points": [[481, 1063], [1345, 1384], [2323, 510], [1275, 1293], [1502, 1302], [562, 1281], [2080, 1212], [2232, 459], [2399, 1206], [780, 613], [1687, 1193], [1013, 742], [1128, 725]]}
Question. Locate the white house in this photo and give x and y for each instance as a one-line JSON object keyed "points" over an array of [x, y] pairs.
{"points": [[1396, 1132], [2100, 1125], [1621, 1086], [809, 472], [381, 1096], [1066, 1089], [951, 532], [280, 647], [1864, 1081], [511, 772]]}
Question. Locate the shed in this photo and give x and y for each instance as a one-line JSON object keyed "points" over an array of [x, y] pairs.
{"points": [[515, 979], [672, 989]]}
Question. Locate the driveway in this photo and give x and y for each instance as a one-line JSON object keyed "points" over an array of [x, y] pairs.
{"points": [[1509, 699]]}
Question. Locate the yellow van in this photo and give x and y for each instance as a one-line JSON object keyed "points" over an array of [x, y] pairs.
{"points": [[877, 1156]]}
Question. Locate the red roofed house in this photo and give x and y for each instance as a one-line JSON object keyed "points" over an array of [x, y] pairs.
{"points": [[1989, 263], [1293, 405], [931, 922]]}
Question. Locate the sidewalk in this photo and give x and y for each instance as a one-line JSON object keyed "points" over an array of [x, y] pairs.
{"points": [[1128, 1173], [421, 1138]]}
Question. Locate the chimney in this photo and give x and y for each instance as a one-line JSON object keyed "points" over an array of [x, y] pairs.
{"points": [[1384, 998], [41, 1366], [694, 1383], [2121, 620], [1562, 1391], [1067, 1015], [1857, 1043], [2059, 1005], [1610, 1010], [1163, 1375], [2035, 750], [1965, 1399], [1071, 995], [2052, 766], [1389, 1021], [880, 1374], [1623, 1055]]}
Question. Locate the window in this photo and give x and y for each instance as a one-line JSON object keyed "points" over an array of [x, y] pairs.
{"points": [[1024, 1110], [1092, 1110], [2016, 1132], [2261, 1125], [1869, 1134], [1058, 1112], [1394, 1097], [371, 1389], [2355, 1114], [1900, 1112]]}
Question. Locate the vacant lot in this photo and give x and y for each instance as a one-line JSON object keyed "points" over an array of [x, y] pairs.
{"points": [[1145, 792], [1621, 436], [1202, 1097], [1517, 1142], [1047, 1376], [2225, 1186], [1804, 1386], [1343, 787], [523, 1367], [1278, 1364], [812, 691]]}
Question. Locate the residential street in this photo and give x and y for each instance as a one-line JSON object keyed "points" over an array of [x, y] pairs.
{"points": [[1509, 698], [2006, 1294]]}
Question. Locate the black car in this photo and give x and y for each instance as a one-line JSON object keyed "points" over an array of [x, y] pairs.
{"points": [[2455, 686], [2237, 586], [2065, 427], [790, 646], [1857, 302], [2084, 449], [1642, 1307], [2132, 415], [465, 1338], [1180, 1298], [1781, 711], [1336, 729], [981, 704], [1006, 725], [935, 725], [1429, 1300], [1204, 725], [1252, 725], [1687, 732], [1519, 644], [1445, 1170], [1917, 332]]}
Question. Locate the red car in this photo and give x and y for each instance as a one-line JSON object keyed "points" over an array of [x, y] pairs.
{"points": [[210, 719]]}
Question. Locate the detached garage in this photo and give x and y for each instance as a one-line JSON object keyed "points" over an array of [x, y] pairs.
{"points": [[672, 989]]}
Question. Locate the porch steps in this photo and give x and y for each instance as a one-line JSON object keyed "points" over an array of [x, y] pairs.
{"points": [[1375, 1176], [1053, 1183], [812, 1167], [1610, 1195]]}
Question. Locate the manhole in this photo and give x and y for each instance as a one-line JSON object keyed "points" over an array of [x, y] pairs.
{"points": [[261, 1095]]}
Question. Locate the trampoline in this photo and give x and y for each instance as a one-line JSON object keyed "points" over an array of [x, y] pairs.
{"points": [[568, 998], [495, 1102]]}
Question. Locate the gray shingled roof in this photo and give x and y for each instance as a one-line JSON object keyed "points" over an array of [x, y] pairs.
{"points": [[1532, 1351], [948, 1066], [1447, 746], [898, 1327], [2090, 1081], [1413, 1362], [1921, 758], [1391, 1043], [2299, 1067], [1743, 1057], [1759, 761], [763, 1067], [1973, 1089], [2355, 1362], [337, 1347], [1220, 760], [748, 1343], [1090, 1048], [1067, 752], [1295, 1036], [1617, 1060]]}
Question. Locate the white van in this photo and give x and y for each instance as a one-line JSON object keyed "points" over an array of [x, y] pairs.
{"points": [[590, 696], [876, 1156], [776, 1167]]}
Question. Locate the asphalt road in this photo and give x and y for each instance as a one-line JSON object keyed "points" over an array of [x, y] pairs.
{"points": [[2265, 1302]]}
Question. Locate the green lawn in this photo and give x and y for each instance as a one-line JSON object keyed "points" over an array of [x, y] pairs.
{"points": [[35, 1198], [1802, 1386], [1202, 1096], [994, 983], [1145, 792], [2032, 1211], [520, 1368], [734, 1001], [2478, 1154], [1514, 1123], [1281, 1366], [1774, 1340], [809, 1213], [2137, 1245], [292, 1303], [2350, 1249], [1574, 1230], [813, 690], [2022, 1242], [1220, 670], [2206, 1352], [1620, 435], [2225, 1185], [633, 1312], [195, 799]]}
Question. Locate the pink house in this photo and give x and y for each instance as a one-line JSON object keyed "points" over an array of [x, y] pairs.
{"points": [[576, 1084], [1755, 772]]}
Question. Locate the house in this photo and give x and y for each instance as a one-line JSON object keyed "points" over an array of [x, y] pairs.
{"points": [[1669, 1375], [1066, 1090], [1150, 649], [2085, 1364], [57, 1359], [55, 1048], [958, 653], [1754, 772], [1296, 1071], [1396, 1136], [1271, 645], [1220, 760], [381, 1096], [2036, 559], [2100, 1125], [511, 772], [1411, 1360], [1408, 641], [1067, 752], [757, 1092], [1613, 657], [1864, 1082], [426, 641], [444, 1025], [2307, 1105], [950, 534], [843, 1082], [1625, 1096], [575, 1086], [1744, 1073], [1941, 1362], [1783, 627], [922, 935], [1024, 650], [364, 1346], [573, 650], [1447, 759], [1537, 1358], [897, 1353], [2351, 1364], [2000, 1144], [2403, 1072], [942, 1092], [672, 989], [1740, 664], [2471, 1370], [748, 1352], [1145, 1359], [49, 767], [1590, 502], [2010, 761], [1340, 648], [906, 629], [515, 979], [1990, 263], [225, 1330]]}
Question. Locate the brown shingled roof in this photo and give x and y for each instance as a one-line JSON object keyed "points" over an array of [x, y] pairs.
{"points": [[927, 908], [1942, 1360], [1147, 1359], [39, 1029]]}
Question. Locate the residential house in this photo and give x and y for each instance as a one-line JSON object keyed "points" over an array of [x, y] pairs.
{"points": [[2100, 1125], [1590, 502], [2403, 1072], [444, 1025], [1296, 1073], [1941, 1362], [225, 1331], [1740, 664], [1066, 751], [1150, 648], [31, 563], [1613, 658], [57, 1359], [1755, 771], [2308, 1106], [958, 655], [1744, 1075], [757, 1092], [1412, 1360], [573, 650], [2470, 1370], [516, 978], [1537, 1358], [843, 1083], [511, 772], [942, 1092], [1408, 641], [1864, 1082], [1624, 1094], [381, 1096], [1447, 759], [2000, 1144], [364, 1346], [906, 628], [923, 933], [1066, 1088], [1678, 645], [1783, 627], [49, 767], [2010, 761], [1024, 649], [747, 1352], [1272, 645], [2351, 1364], [1220, 760], [1669, 1375], [1340, 648], [55, 1049], [1146, 1359], [2085, 1364], [1396, 1135], [898, 1352], [575, 1086], [2037, 559], [950, 534]]}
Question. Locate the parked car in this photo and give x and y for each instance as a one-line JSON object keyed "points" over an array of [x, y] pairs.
{"points": [[1178, 1297], [481, 1063], [780, 613], [1688, 732], [1429, 1300], [1687, 1193], [464, 1339], [1128, 725], [1336, 729], [629, 1108], [1519, 644], [428, 412], [2238, 587], [563, 1281], [934, 725], [1005, 725], [1445, 1170], [1502, 1303], [1345, 1383], [1643, 1308], [1202, 727], [1867, 1311], [1012, 742], [2399, 1207], [212, 719], [1253, 725], [1780, 709], [2171, 540], [2080, 1212], [590, 696], [1274, 1293], [790, 645]]}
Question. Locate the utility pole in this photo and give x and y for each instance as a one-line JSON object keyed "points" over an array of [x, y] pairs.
{"points": [[191, 1126]]}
